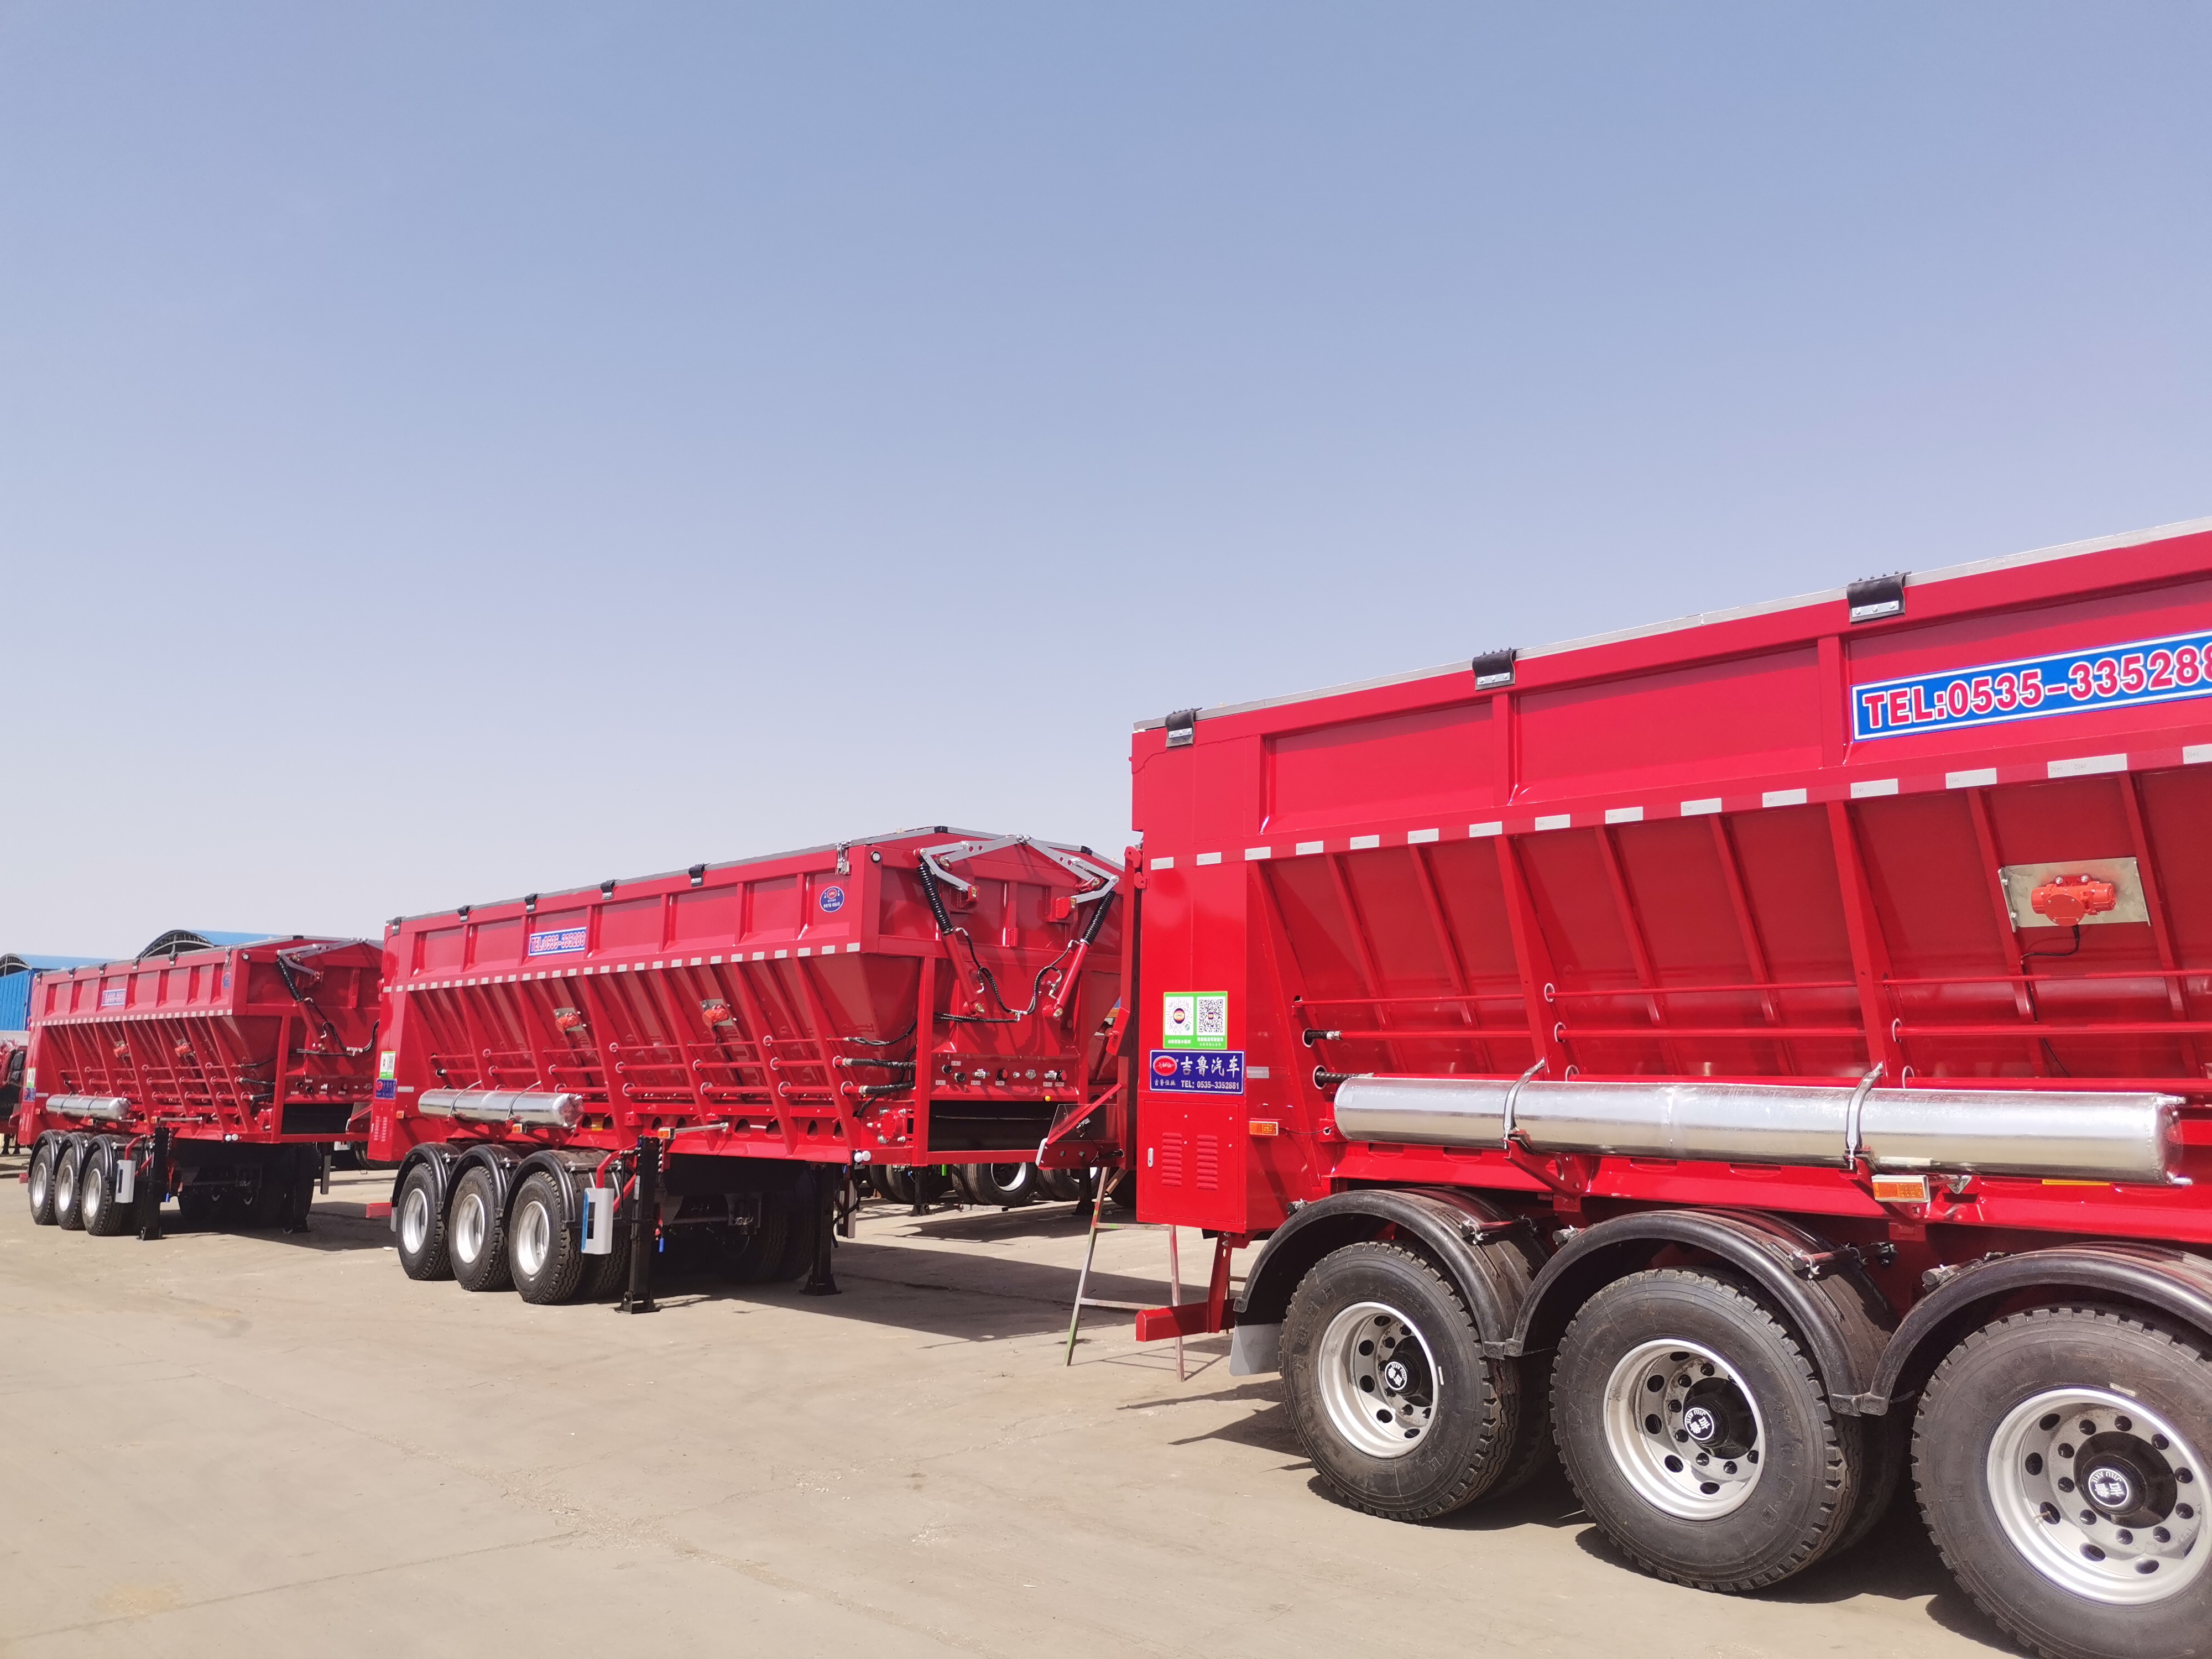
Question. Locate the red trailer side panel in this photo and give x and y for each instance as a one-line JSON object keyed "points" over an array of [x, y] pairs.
{"points": [[806, 1006], [1776, 845], [261, 1044]]}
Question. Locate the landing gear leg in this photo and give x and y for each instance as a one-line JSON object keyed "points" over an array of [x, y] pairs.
{"points": [[153, 1187], [646, 1208], [821, 1281]]}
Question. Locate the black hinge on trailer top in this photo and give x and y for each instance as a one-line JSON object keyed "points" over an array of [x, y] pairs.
{"points": [[1876, 596], [698, 874], [1493, 669], [1183, 727]]}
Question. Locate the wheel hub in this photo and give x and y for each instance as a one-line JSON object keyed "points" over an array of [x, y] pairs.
{"points": [[534, 1240], [415, 1219], [1377, 1379], [1683, 1429], [469, 1229], [2099, 1494]]}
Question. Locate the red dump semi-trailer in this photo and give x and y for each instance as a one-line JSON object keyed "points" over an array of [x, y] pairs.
{"points": [[572, 1081], [1728, 1051], [1760, 1056], [219, 1075]]}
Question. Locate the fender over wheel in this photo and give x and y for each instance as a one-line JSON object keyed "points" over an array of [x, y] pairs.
{"points": [[1389, 1388], [2058, 1454], [1699, 1437], [475, 1234]]}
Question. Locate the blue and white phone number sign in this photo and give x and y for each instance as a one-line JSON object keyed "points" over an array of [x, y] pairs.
{"points": [[1178, 1072], [2108, 677]]}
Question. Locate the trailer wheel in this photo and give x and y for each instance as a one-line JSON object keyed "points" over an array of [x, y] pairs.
{"points": [[1008, 1186], [476, 1233], [752, 1258], [1384, 1374], [1697, 1433], [68, 1175], [544, 1256], [798, 1255], [1062, 1186], [894, 1182], [606, 1276], [2059, 1458], [284, 1193], [103, 1217], [42, 1182], [203, 1204], [420, 1227]]}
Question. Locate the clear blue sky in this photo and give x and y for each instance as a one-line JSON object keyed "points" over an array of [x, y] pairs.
{"points": [[451, 450]]}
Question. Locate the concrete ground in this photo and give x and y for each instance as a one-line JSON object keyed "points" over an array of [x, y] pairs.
{"points": [[251, 1443]]}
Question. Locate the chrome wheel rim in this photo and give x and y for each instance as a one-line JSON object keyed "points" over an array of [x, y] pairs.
{"points": [[65, 1186], [469, 1227], [2101, 1496], [1379, 1381], [533, 1238], [93, 1197], [415, 1220], [1683, 1429], [42, 1180]]}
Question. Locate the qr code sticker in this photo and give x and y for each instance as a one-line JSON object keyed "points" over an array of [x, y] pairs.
{"points": [[1213, 1021]]}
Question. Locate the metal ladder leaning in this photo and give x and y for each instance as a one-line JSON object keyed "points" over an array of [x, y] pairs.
{"points": [[1107, 1178]]}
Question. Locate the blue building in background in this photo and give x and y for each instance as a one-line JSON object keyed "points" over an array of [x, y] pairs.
{"points": [[15, 984]]}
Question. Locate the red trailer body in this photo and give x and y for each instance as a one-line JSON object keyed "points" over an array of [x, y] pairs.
{"points": [[920, 997], [229, 1068], [1843, 939]]}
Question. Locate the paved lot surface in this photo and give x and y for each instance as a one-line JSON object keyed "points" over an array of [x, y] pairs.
{"points": [[249, 1443]]}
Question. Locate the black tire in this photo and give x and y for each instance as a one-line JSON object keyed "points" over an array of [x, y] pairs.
{"points": [[1359, 1383], [41, 1180], [69, 1174], [753, 1256], [544, 1249], [102, 1216], [2148, 1389], [608, 1276], [894, 1184], [419, 1227], [1767, 1427], [909, 1185], [286, 1192], [797, 1255], [1061, 1186], [208, 1205], [1007, 1186], [476, 1233]]}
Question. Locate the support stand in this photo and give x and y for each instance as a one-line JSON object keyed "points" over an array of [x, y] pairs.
{"points": [[1099, 1224], [645, 1210], [820, 1279], [153, 1187]]}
